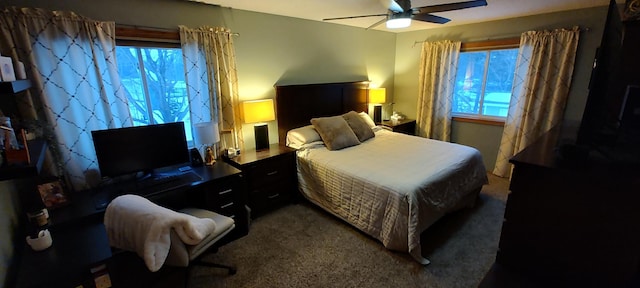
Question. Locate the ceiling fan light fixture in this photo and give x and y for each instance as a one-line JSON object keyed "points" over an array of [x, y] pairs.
{"points": [[400, 22]]}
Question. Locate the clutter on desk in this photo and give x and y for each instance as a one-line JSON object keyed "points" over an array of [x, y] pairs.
{"points": [[53, 194], [39, 218], [6, 69], [39, 237], [41, 241]]}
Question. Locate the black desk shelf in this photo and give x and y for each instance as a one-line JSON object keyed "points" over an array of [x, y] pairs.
{"points": [[8, 93], [13, 87], [37, 150]]}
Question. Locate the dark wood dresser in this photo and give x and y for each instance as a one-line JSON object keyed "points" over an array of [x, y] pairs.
{"points": [[570, 221], [271, 176]]}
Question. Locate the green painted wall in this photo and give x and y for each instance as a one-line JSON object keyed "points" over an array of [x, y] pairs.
{"points": [[484, 137]]}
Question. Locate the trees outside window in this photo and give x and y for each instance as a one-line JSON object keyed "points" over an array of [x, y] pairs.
{"points": [[483, 83], [153, 78]]}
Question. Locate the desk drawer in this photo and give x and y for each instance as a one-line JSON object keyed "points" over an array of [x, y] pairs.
{"points": [[224, 196]]}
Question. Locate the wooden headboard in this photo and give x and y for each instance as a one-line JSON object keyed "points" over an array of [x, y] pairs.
{"points": [[297, 104]]}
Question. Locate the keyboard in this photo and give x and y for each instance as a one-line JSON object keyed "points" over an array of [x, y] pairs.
{"points": [[147, 188], [164, 183]]}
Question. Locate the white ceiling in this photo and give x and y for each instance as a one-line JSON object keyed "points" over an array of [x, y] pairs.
{"points": [[321, 9]]}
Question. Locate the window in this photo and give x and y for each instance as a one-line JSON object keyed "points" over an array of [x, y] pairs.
{"points": [[483, 82], [153, 78]]}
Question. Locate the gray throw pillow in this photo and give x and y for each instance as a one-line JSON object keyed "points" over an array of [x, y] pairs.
{"points": [[335, 132], [358, 125]]}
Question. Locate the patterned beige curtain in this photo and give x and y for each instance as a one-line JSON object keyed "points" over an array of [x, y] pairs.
{"points": [[438, 65], [71, 63], [540, 89], [212, 81]]}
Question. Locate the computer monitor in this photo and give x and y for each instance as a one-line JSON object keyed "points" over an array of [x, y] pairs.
{"points": [[140, 149]]}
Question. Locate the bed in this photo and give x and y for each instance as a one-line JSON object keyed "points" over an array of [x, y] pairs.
{"points": [[391, 186]]}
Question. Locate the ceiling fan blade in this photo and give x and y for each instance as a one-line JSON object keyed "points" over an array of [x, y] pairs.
{"points": [[451, 6], [377, 23], [430, 18], [392, 5], [353, 17]]}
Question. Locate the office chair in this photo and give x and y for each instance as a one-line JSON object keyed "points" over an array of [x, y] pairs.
{"points": [[183, 255], [134, 223]]}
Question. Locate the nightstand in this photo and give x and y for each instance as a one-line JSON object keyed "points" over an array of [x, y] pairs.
{"points": [[406, 126], [271, 176]]}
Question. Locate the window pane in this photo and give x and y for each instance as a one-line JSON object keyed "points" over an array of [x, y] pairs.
{"points": [[132, 81], [166, 92], [165, 81], [468, 87], [502, 65]]}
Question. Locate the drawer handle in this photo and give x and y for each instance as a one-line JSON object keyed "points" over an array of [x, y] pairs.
{"points": [[225, 191], [272, 173], [226, 205], [274, 196]]}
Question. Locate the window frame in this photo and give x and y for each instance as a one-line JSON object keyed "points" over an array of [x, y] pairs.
{"points": [[498, 44]]}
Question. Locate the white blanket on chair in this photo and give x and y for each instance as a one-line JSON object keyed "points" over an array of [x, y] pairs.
{"points": [[134, 223]]}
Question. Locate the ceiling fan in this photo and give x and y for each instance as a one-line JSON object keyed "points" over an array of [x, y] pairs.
{"points": [[400, 12]]}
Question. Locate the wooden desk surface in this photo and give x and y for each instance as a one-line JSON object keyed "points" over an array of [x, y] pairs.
{"points": [[67, 262]]}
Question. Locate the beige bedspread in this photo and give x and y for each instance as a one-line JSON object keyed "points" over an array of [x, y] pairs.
{"points": [[392, 186]]}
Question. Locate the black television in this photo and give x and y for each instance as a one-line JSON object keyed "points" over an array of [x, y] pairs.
{"points": [[140, 149], [609, 123], [599, 119]]}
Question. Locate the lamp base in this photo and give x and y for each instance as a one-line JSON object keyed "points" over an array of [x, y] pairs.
{"points": [[261, 133], [377, 114]]}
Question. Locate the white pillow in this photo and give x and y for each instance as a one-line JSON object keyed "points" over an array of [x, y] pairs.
{"points": [[367, 119], [303, 135]]}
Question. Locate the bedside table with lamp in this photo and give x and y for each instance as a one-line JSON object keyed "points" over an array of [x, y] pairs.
{"points": [[269, 168], [270, 174], [406, 126]]}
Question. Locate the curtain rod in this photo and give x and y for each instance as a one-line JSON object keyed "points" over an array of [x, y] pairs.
{"points": [[585, 29], [158, 29]]}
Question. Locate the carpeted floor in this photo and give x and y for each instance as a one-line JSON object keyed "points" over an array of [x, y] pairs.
{"points": [[300, 245]]}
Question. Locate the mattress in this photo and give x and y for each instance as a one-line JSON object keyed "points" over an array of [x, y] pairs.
{"points": [[393, 186]]}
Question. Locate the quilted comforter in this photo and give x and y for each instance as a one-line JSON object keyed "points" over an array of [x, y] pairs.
{"points": [[392, 186]]}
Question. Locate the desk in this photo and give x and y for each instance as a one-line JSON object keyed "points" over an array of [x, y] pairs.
{"points": [[66, 263], [80, 240]]}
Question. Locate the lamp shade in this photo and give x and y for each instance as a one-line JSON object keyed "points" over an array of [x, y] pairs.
{"points": [[258, 111], [377, 95], [206, 133]]}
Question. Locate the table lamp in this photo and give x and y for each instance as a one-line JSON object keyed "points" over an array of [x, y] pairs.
{"points": [[377, 96], [206, 133], [259, 112]]}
